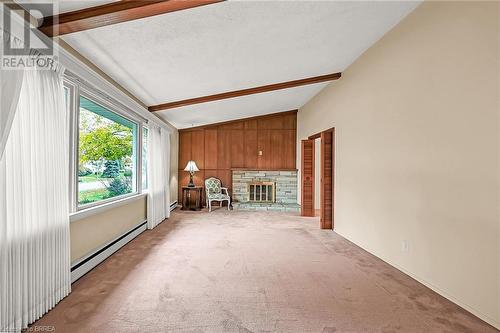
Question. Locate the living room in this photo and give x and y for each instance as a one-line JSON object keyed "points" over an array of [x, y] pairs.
{"points": [[250, 166]]}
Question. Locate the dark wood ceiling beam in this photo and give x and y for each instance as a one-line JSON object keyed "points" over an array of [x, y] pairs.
{"points": [[244, 92], [113, 13]]}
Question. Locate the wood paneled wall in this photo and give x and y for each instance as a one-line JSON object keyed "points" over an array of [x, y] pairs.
{"points": [[258, 143]]}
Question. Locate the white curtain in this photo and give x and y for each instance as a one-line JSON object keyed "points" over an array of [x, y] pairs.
{"points": [[34, 220], [158, 175], [10, 87]]}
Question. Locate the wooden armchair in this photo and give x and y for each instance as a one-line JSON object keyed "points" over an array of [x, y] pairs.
{"points": [[214, 192]]}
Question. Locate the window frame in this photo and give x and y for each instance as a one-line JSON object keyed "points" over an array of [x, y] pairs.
{"points": [[78, 88], [144, 127]]}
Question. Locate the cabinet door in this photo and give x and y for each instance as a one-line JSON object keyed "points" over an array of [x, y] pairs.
{"points": [[237, 149], [283, 149], [269, 123], [290, 121], [198, 148], [264, 149], [211, 149], [277, 149], [251, 154], [184, 149], [290, 149], [224, 149]]}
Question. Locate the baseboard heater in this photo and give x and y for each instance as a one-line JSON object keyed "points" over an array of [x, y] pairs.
{"points": [[83, 266]]}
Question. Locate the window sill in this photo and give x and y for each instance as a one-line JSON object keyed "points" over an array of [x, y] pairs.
{"points": [[104, 207]]}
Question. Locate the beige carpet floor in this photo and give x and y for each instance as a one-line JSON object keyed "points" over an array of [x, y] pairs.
{"points": [[251, 272]]}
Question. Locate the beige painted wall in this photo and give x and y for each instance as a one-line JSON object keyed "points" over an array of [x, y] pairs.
{"points": [[91, 233], [417, 124]]}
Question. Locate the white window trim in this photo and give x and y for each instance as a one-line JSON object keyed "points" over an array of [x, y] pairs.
{"points": [[77, 89], [83, 213], [142, 142], [73, 163]]}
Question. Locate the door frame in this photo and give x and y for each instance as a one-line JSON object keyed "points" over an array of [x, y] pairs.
{"points": [[330, 200], [307, 209]]}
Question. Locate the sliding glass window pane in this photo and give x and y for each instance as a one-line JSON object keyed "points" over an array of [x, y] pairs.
{"points": [[107, 154], [144, 158], [66, 98]]}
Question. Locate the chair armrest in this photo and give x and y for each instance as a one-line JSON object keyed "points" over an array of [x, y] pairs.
{"points": [[224, 189]]}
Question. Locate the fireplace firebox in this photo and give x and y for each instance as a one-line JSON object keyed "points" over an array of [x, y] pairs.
{"points": [[261, 192]]}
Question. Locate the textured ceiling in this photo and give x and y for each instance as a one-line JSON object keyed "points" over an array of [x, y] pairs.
{"points": [[245, 106], [63, 6], [236, 45]]}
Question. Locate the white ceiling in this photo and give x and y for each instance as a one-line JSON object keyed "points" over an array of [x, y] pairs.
{"points": [[245, 106], [58, 7], [65, 6], [235, 45]]}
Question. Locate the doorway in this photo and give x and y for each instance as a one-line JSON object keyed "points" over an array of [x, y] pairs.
{"points": [[317, 177]]}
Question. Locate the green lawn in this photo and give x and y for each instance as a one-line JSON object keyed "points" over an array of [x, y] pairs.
{"points": [[94, 178], [89, 178], [92, 196]]}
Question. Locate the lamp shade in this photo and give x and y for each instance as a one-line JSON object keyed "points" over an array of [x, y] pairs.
{"points": [[191, 167]]}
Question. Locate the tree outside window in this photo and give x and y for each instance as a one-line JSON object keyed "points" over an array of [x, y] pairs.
{"points": [[106, 160]]}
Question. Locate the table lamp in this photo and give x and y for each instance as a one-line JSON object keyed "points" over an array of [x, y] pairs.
{"points": [[192, 168]]}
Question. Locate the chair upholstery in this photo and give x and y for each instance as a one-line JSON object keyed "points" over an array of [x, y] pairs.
{"points": [[214, 192]]}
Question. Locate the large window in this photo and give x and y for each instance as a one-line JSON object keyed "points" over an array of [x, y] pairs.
{"points": [[108, 147], [107, 154]]}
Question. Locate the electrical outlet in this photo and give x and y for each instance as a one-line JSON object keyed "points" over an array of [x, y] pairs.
{"points": [[405, 245], [260, 152]]}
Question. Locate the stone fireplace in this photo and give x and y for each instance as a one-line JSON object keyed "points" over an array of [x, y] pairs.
{"points": [[265, 190]]}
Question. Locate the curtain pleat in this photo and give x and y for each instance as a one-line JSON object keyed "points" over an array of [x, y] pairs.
{"points": [[34, 192], [10, 87], [158, 175], [166, 154]]}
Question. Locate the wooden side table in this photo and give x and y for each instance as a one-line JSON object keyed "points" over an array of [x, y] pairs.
{"points": [[190, 193]]}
